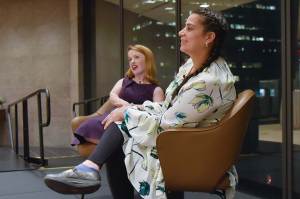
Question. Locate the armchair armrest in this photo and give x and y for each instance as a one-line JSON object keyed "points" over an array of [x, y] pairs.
{"points": [[76, 121], [106, 107]]}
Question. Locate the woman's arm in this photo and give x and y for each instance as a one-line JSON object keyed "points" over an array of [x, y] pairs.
{"points": [[158, 95], [197, 102], [114, 95]]}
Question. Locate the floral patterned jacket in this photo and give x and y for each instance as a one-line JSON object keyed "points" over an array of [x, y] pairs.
{"points": [[203, 100]]}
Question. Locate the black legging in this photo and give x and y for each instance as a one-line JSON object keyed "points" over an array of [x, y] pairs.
{"points": [[110, 142], [118, 181], [109, 151]]}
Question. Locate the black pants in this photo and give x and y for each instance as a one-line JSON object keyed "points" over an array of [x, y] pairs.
{"points": [[109, 151]]}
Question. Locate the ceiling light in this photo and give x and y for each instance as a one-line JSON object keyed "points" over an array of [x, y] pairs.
{"points": [[169, 8], [149, 1], [204, 5]]}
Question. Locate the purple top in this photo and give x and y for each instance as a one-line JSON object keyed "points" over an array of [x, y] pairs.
{"points": [[133, 92]]}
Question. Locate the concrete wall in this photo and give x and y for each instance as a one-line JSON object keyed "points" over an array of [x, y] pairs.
{"points": [[39, 49]]}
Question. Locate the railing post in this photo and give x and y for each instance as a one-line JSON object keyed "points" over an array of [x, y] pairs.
{"points": [[17, 129], [25, 130], [11, 137], [39, 106], [85, 109], [26, 146]]}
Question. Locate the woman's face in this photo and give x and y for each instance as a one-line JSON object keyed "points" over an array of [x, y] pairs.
{"points": [[137, 62], [193, 36]]}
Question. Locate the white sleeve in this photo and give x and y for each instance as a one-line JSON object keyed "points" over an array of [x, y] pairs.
{"points": [[195, 101]]}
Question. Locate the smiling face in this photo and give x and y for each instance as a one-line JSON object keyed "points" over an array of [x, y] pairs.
{"points": [[137, 62], [193, 36]]}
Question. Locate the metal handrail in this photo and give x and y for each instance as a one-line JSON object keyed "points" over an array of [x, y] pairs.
{"points": [[85, 103], [42, 124], [88, 101]]}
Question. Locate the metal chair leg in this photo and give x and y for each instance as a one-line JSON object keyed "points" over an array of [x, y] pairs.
{"points": [[82, 196], [220, 193]]}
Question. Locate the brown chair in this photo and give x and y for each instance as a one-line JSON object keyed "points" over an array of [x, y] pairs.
{"points": [[86, 148], [196, 159]]}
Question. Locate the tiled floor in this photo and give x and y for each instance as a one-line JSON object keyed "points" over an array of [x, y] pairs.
{"points": [[29, 185], [273, 133], [25, 182]]}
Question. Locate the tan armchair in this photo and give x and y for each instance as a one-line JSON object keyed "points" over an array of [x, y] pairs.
{"points": [[196, 159], [86, 148]]}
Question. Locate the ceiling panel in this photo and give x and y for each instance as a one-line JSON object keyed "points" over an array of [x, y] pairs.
{"points": [[164, 10]]}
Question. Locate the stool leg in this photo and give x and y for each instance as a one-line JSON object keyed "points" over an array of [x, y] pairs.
{"points": [[220, 193], [82, 196], [175, 195]]}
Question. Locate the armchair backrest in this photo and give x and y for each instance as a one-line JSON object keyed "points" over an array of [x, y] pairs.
{"points": [[196, 159]]}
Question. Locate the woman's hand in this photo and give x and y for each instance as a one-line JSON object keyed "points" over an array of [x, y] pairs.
{"points": [[114, 116]]}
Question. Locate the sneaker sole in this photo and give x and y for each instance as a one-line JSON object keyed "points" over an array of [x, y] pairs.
{"points": [[72, 186]]}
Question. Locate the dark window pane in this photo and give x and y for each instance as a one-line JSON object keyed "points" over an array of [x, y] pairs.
{"points": [[152, 23], [253, 51]]}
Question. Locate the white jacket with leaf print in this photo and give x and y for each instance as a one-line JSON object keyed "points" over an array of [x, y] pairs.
{"points": [[202, 100]]}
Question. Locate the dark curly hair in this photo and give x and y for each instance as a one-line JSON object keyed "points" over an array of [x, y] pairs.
{"points": [[213, 22]]}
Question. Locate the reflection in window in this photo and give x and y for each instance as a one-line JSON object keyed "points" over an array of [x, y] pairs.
{"points": [[262, 92], [152, 23], [272, 92], [242, 27], [265, 7], [249, 38], [296, 95]]}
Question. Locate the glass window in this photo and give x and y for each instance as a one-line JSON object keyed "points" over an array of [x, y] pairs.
{"points": [[108, 59], [152, 23], [296, 94], [253, 51]]}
